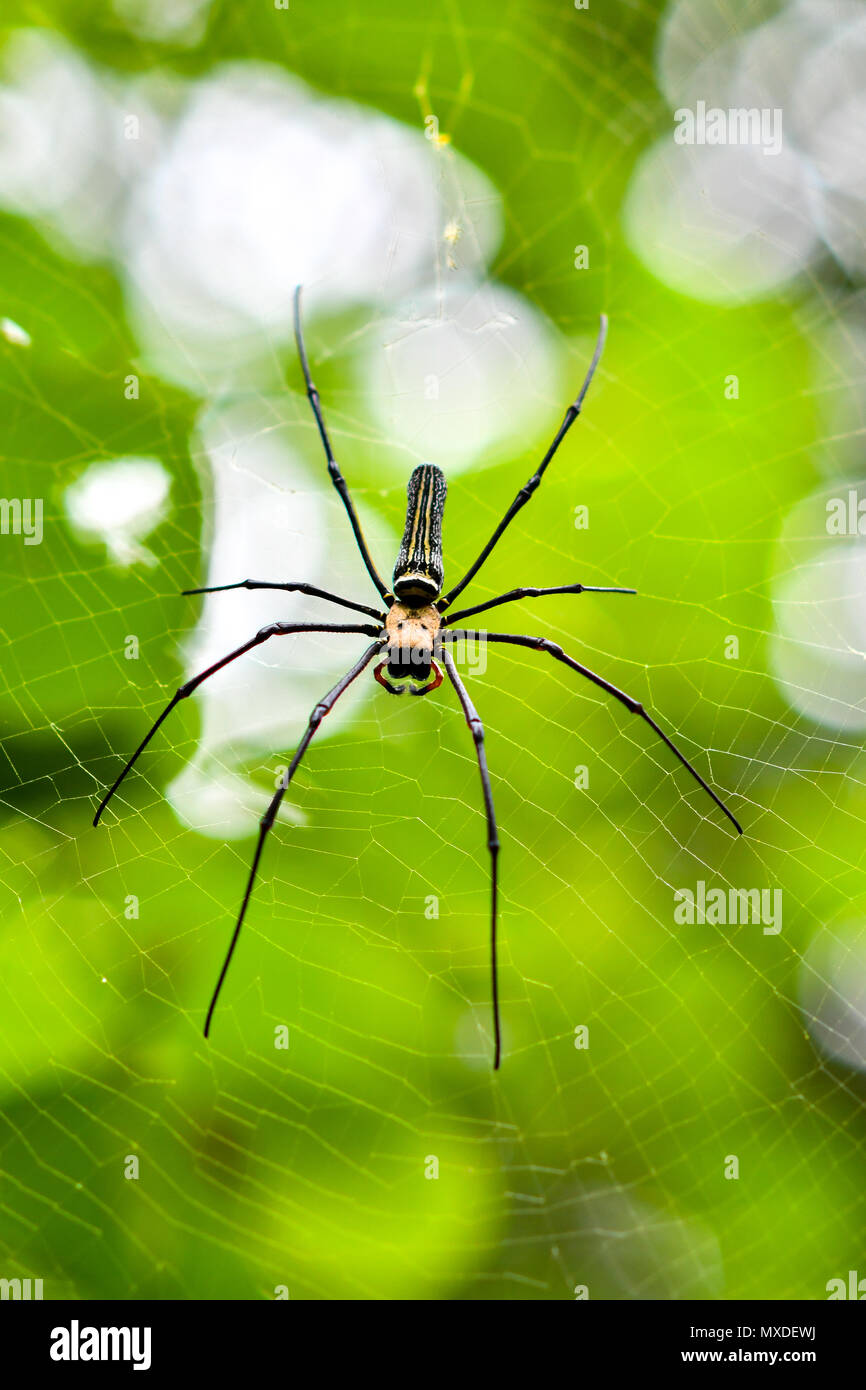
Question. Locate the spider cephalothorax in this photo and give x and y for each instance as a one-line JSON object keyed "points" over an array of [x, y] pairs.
{"points": [[416, 624], [411, 640]]}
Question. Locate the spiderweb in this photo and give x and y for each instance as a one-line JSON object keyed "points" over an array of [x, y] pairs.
{"points": [[703, 1142]]}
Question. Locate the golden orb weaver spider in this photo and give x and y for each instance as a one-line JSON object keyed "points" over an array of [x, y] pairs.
{"points": [[411, 631]]}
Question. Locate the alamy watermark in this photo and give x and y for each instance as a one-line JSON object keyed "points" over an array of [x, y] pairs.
{"points": [[732, 907], [469, 653], [846, 516], [854, 1287], [77, 1343], [22, 516], [736, 125], [20, 1289]]}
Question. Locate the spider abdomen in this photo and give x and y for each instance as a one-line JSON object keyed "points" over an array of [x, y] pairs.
{"points": [[418, 573]]}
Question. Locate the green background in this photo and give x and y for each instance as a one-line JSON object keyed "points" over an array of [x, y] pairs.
{"points": [[306, 1168]]}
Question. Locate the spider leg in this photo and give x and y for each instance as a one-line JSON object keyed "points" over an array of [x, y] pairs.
{"points": [[325, 705], [542, 644], [477, 730], [294, 588], [514, 594], [528, 488], [272, 630], [333, 467]]}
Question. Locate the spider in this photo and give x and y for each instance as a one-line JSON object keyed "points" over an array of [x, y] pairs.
{"points": [[415, 626]]}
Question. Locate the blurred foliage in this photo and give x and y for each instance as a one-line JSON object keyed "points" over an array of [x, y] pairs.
{"points": [[306, 1168]]}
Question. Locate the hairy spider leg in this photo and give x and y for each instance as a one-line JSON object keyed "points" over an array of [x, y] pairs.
{"points": [[291, 588], [318, 713], [477, 730], [514, 595], [333, 467], [634, 706], [528, 488], [264, 633]]}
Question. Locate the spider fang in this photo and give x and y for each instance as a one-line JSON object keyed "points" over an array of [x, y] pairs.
{"points": [[410, 682]]}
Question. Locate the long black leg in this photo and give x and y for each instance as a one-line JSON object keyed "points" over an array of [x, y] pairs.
{"points": [[528, 489], [297, 588], [542, 644], [320, 710], [514, 594], [333, 467], [477, 730], [272, 630]]}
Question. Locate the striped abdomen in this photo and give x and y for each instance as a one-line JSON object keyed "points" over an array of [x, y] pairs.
{"points": [[418, 573]]}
